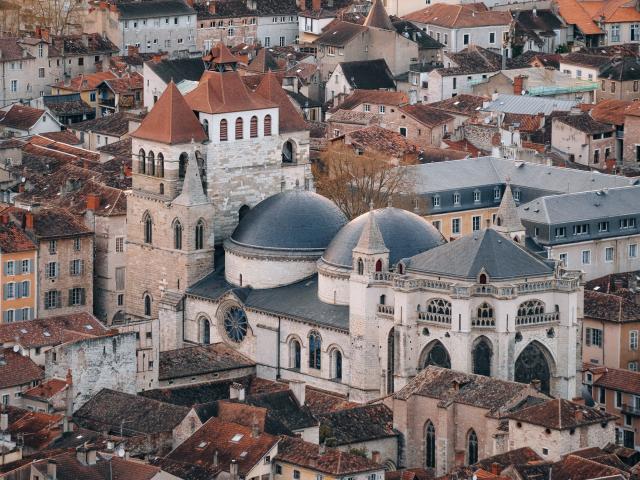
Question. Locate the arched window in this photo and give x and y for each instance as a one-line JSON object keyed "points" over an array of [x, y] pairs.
{"points": [[485, 311], [288, 152], [161, 189], [240, 279], [200, 235], [147, 305], [267, 125], [239, 129], [531, 307], [336, 365], [160, 165], [182, 165], [379, 265], [141, 161], [481, 356], [360, 266], [148, 228], [391, 353], [315, 350], [151, 164], [253, 127], [439, 306], [205, 127], [295, 351], [482, 279], [472, 447], [400, 269], [224, 130], [430, 445], [206, 331], [177, 235]]}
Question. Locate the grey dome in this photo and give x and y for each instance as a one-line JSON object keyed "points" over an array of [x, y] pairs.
{"points": [[405, 234], [292, 220]]}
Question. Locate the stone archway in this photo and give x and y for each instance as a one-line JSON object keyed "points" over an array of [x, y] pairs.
{"points": [[435, 354], [534, 363]]}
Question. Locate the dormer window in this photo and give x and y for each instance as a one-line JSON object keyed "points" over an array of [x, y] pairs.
{"points": [[476, 196], [435, 201]]}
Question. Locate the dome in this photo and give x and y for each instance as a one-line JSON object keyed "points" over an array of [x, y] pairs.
{"points": [[292, 220], [405, 234]]}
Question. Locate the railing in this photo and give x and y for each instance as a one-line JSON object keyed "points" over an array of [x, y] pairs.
{"points": [[434, 317], [382, 276], [477, 81], [483, 322], [107, 102], [408, 283], [630, 409], [385, 309], [537, 318], [584, 86]]}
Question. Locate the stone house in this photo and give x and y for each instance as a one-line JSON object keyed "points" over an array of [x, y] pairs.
{"points": [[371, 101], [21, 120], [631, 147], [159, 72], [620, 80], [230, 22], [462, 107], [18, 374], [120, 94], [49, 397], [613, 112], [277, 22], [583, 140], [378, 141], [362, 74], [105, 130], [85, 85], [584, 65]]}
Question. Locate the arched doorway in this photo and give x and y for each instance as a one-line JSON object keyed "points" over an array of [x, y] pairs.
{"points": [[481, 355], [435, 354], [391, 351], [288, 152], [532, 364]]}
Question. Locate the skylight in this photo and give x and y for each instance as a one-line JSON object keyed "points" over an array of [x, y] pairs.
{"points": [[237, 437], [202, 444], [88, 327], [46, 334]]}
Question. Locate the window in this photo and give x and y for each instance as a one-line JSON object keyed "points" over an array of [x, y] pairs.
{"points": [[603, 226], [582, 229], [76, 267], [618, 403], [177, 235], [561, 232], [627, 223], [446, 39], [175, 20], [602, 395], [239, 128], [267, 125], [635, 30], [475, 223], [267, 42], [52, 299], [609, 254], [223, 130], [615, 33], [496, 193], [613, 87], [455, 83], [437, 224], [516, 194], [633, 366], [633, 250], [367, 107], [381, 109], [53, 247], [430, 445], [472, 448], [77, 244], [403, 131], [120, 299], [81, 61], [14, 86], [492, 37], [278, 469], [41, 72], [10, 268], [52, 270], [26, 266], [593, 337], [455, 226], [296, 475], [586, 257], [596, 156], [147, 305], [476, 196], [253, 127], [435, 200], [5, 399], [119, 244], [603, 85], [315, 350], [465, 39], [456, 198], [76, 297], [283, 41], [633, 340], [563, 259], [148, 228]]}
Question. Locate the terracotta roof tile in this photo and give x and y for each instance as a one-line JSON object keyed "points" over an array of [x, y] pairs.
{"points": [[574, 14], [339, 33], [291, 119], [38, 429], [17, 370], [611, 307], [380, 140], [619, 379], [171, 120], [410, 474], [610, 111], [65, 136], [377, 97], [573, 467], [201, 359], [85, 82], [378, 17], [459, 16], [13, 239], [585, 123], [21, 117], [321, 402], [426, 115], [462, 104], [560, 414], [46, 389], [264, 62]]}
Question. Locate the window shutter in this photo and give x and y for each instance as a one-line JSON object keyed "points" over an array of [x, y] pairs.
{"points": [[5, 317], [58, 297], [82, 296], [81, 267], [25, 289], [30, 266], [18, 315], [71, 297], [31, 314], [588, 339], [18, 290], [6, 291], [6, 268]]}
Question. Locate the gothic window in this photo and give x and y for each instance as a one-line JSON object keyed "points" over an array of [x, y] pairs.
{"points": [[177, 235], [360, 266], [253, 127], [205, 127], [315, 350], [336, 365], [182, 165], [235, 324], [160, 165], [200, 235], [485, 311], [391, 344], [430, 445], [481, 355], [267, 126], [531, 307], [224, 133], [147, 305], [288, 152], [206, 330], [439, 306], [472, 447], [379, 265], [161, 188], [436, 354], [141, 161], [239, 129], [151, 164], [531, 365], [148, 228], [295, 352], [400, 269]]}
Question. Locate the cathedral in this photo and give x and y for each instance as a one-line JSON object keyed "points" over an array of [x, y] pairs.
{"points": [[227, 242]]}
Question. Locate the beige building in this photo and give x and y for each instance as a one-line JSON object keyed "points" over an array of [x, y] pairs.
{"points": [[17, 375], [583, 140]]}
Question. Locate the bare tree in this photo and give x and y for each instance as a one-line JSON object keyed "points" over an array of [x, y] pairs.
{"points": [[56, 15], [354, 181]]}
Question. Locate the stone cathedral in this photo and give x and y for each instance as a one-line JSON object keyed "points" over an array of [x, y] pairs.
{"points": [[227, 242]]}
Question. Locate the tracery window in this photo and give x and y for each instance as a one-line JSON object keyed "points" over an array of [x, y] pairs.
{"points": [[315, 350]]}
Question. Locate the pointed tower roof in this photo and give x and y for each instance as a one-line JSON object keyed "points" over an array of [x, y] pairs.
{"points": [[291, 119], [378, 17], [371, 240], [170, 120], [221, 55], [192, 191], [263, 62], [507, 217]]}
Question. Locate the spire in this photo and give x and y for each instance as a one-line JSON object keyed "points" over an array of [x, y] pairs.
{"points": [[507, 218], [378, 17], [192, 191], [371, 240]]}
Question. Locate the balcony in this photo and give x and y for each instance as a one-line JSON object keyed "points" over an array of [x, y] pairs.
{"points": [[538, 318], [107, 102], [440, 318], [631, 410], [386, 310], [483, 322]]}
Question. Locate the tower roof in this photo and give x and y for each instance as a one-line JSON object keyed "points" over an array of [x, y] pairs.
{"points": [[507, 218], [371, 240], [290, 118], [378, 17], [263, 62], [223, 92], [192, 191], [221, 55], [171, 120]]}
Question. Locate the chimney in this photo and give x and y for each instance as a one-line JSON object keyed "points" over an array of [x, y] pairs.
{"points": [[4, 422], [93, 202], [316, 5], [579, 415], [21, 188], [132, 51], [375, 456], [5, 219], [496, 468], [236, 391], [233, 470], [518, 85], [52, 470], [28, 221], [535, 383], [215, 458], [535, 12], [298, 388], [255, 429], [302, 5], [213, 7]]}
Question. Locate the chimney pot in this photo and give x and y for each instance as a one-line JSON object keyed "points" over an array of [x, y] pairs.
{"points": [[236, 392], [93, 202], [28, 221], [375, 456], [496, 468]]}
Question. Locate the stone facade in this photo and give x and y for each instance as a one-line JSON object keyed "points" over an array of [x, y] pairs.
{"points": [[587, 149]]}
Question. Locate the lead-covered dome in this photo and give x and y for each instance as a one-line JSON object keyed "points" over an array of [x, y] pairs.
{"points": [[292, 220], [405, 234]]}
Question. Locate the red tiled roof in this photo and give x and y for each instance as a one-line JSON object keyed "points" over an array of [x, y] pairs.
{"points": [[380, 140], [65, 136], [610, 111], [38, 429], [619, 379], [561, 414], [265, 62], [85, 82], [573, 13], [13, 239], [171, 120], [270, 88], [609, 306], [377, 97], [21, 117], [126, 83], [459, 16], [426, 115], [17, 370], [46, 389]]}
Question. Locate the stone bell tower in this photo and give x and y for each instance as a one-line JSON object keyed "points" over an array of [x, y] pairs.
{"points": [[507, 219]]}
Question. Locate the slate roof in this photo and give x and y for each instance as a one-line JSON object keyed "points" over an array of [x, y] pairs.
{"points": [[573, 467], [378, 17], [561, 414], [21, 117], [52, 222], [583, 122], [543, 20], [426, 115], [360, 424], [459, 16], [61, 105], [12, 50], [623, 70], [339, 33], [529, 105], [178, 69], [619, 379], [332, 461], [322, 402], [282, 406], [185, 470], [486, 251], [83, 44], [16, 370], [199, 360], [586, 60], [106, 411], [368, 74], [411, 31], [227, 9], [153, 8], [473, 59], [116, 124], [250, 416]]}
